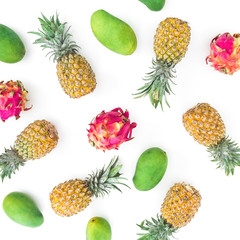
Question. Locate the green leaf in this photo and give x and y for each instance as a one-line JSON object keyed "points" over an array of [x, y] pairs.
{"points": [[158, 83], [10, 162], [54, 35], [226, 154]]}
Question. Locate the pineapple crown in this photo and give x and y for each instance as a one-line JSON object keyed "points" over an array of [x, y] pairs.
{"points": [[10, 162], [55, 36], [226, 154], [158, 83], [157, 229], [104, 180]]}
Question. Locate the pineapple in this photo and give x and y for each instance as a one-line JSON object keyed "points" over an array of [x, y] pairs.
{"points": [[74, 72], [73, 196], [34, 142], [170, 46], [206, 126], [178, 209]]}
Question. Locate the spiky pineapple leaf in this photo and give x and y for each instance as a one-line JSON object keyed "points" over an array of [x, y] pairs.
{"points": [[156, 229], [10, 161], [104, 180], [54, 35], [158, 83], [226, 154]]}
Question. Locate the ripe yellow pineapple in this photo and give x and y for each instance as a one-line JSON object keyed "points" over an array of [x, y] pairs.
{"points": [[73, 196], [74, 72], [170, 46], [205, 124], [34, 142], [178, 209]]}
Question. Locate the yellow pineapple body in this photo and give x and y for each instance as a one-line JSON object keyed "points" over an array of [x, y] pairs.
{"points": [[180, 205], [171, 40], [36, 140], [70, 197], [75, 75], [205, 124]]}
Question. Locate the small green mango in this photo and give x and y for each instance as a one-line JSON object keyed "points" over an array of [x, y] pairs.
{"points": [[98, 229], [154, 5], [113, 33], [12, 49], [22, 209], [150, 169]]}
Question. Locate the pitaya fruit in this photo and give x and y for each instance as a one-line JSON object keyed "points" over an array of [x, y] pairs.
{"points": [[225, 53], [109, 129], [12, 99]]}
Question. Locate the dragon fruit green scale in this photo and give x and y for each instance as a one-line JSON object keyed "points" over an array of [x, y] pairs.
{"points": [[225, 53], [13, 97], [110, 129]]}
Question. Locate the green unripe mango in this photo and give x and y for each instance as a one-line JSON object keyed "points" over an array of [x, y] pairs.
{"points": [[98, 228], [113, 33], [12, 49], [150, 169], [154, 5], [22, 209]]}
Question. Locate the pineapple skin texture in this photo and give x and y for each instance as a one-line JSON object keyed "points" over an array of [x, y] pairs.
{"points": [[36, 140], [205, 124], [171, 40], [70, 197], [75, 75], [180, 204]]}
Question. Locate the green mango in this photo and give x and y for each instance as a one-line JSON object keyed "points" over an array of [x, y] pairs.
{"points": [[150, 169], [12, 49], [113, 33], [154, 5], [22, 209], [98, 229]]}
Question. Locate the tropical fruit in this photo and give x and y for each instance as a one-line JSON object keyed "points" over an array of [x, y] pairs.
{"points": [[73, 196], [13, 97], [154, 5], [98, 228], [206, 126], [178, 209], [22, 209], [34, 142], [74, 72], [110, 129], [170, 46], [225, 53], [150, 169], [12, 49], [113, 33]]}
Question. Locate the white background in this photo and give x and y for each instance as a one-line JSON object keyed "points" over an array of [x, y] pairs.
{"points": [[117, 78]]}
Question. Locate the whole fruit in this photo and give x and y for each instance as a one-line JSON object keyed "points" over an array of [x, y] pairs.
{"points": [[113, 33], [108, 130], [34, 142], [225, 53], [12, 49], [13, 97], [98, 228], [171, 42], [73, 196], [22, 209], [74, 72], [154, 5], [150, 169], [179, 207]]}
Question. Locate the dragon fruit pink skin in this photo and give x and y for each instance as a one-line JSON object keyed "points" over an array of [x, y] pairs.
{"points": [[12, 99], [109, 129], [225, 53]]}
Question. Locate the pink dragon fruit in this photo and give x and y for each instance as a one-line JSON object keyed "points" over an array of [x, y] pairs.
{"points": [[109, 129], [12, 99], [225, 53]]}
